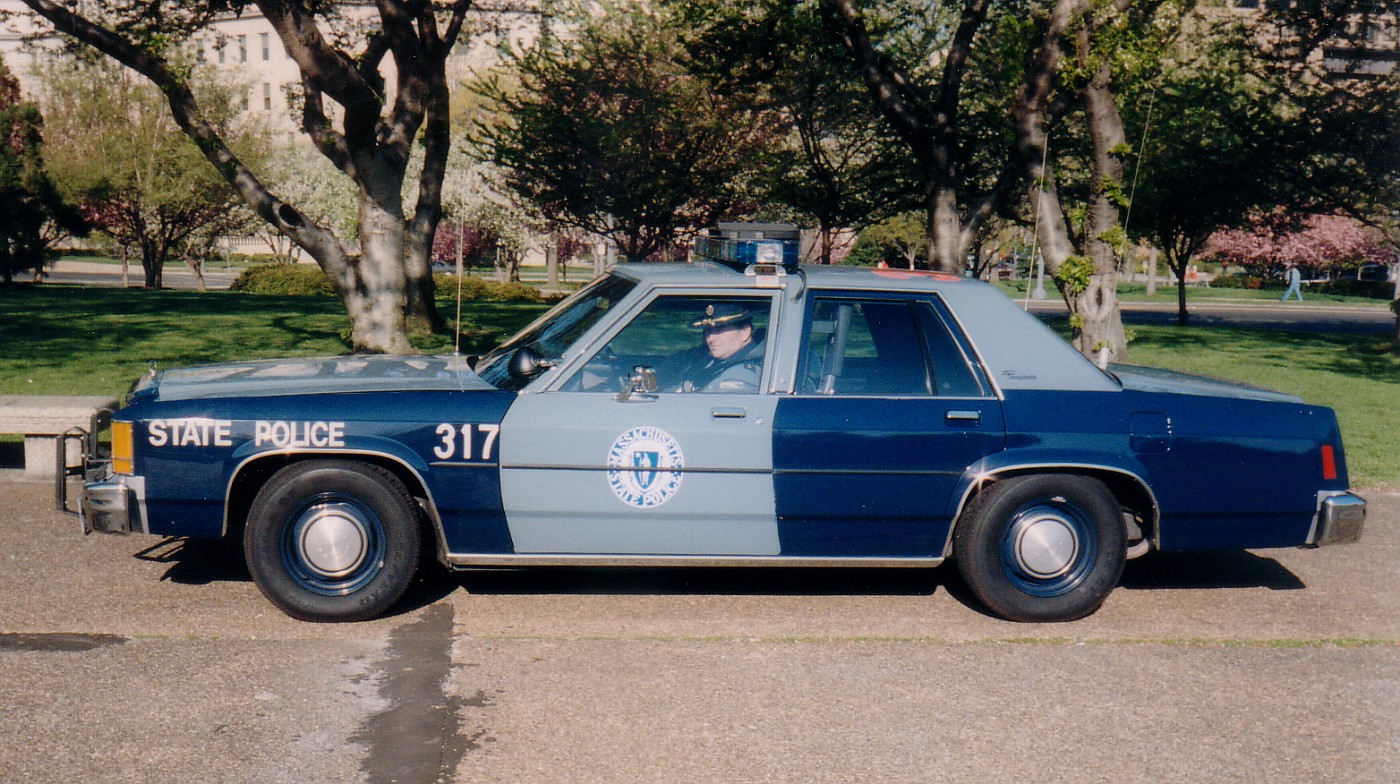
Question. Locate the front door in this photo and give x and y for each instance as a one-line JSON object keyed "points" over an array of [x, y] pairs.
{"points": [[591, 467]]}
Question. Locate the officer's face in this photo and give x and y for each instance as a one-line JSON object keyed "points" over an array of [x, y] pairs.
{"points": [[723, 341]]}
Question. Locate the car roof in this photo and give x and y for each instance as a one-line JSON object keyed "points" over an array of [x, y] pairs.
{"points": [[1018, 349]]}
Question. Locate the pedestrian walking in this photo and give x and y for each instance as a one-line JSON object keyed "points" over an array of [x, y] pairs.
{"points": [[1295, 283]]}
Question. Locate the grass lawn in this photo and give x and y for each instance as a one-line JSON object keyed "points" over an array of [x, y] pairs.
{"points": [[78, 340]]}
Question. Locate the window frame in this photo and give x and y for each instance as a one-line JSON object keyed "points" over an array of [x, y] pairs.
{"points": [[576, 364], [938, 310]]}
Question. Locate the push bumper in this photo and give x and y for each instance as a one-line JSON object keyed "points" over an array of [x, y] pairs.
{"points": [[1340, 518]]}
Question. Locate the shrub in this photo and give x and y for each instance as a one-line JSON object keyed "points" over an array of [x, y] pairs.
{"points": [[284, 279], [303, 279], [483, 290]]}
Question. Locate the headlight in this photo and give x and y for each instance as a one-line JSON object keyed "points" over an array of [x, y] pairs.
{"points": [[122, 449]]}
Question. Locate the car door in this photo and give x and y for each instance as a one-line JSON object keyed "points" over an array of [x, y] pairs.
{"points": [[891, 411], [591, 466]]}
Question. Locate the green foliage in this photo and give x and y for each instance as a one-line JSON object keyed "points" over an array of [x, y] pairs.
{"points": [[301, 280], [298, 280], [32, 211], [482, 290], [607, 132], [1074, 274]]}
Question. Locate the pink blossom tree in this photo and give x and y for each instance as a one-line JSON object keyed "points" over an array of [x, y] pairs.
{"points": [[1321, 244]]}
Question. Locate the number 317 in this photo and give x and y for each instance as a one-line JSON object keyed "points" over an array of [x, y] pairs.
{"points": [[452, 434]]}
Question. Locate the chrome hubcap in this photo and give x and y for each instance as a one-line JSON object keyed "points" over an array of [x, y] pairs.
{"points": [[332, 541], [1046, 546]]}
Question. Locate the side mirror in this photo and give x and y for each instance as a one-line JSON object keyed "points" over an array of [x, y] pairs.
{"points": [[641, 385], [527, 363]]}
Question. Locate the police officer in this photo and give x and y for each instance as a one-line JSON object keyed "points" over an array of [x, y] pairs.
{"points": [[731, 359]]}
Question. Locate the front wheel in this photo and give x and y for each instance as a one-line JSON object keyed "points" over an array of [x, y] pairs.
{"points": [[332, 540], [1042, 548]]}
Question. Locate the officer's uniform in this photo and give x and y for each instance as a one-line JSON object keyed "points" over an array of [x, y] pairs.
{"points": [[738, 372]]}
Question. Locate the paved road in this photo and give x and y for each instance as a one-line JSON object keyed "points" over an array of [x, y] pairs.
{"points": [[133, 659], [175, 276]]}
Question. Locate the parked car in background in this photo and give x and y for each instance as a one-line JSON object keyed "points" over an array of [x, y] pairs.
{"points": [[868, 417]]}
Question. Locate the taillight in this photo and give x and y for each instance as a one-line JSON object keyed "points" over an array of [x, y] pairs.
{"points": [[122, 451], [1329, 462]]}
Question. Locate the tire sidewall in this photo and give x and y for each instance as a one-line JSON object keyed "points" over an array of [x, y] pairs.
{"points": [[393, 561], [981, 544]]}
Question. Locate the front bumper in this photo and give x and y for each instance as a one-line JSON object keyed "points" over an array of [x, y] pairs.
{"points": [[110, 506], [1340, 518]]}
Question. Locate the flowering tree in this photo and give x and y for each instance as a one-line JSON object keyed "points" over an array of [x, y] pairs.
{"points": [[1322, 244]]}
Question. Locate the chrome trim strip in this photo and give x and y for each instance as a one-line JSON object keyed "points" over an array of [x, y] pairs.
{"points": [[981, 478], [468, 560], [635, 469]]}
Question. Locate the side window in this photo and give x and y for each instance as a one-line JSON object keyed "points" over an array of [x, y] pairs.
{"points": [[694, 343], [892, 347], [952, 375]]}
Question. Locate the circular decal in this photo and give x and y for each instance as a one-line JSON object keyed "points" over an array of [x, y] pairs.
{"points": [[644, 467]]}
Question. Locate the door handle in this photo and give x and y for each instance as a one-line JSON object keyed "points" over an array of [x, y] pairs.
{"points": [[726, 412], [963, 417]]}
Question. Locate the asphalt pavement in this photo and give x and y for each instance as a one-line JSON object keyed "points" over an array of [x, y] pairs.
{"points": [[136, 659]]}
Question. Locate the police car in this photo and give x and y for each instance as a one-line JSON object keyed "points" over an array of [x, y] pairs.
{"points": [[746, 412]]}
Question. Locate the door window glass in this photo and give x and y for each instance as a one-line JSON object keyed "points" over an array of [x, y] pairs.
{"points": [[882, 347], [693, 343]]}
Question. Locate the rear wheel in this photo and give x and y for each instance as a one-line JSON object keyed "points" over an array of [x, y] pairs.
{"points": [[1042, 548], [332, 540]]}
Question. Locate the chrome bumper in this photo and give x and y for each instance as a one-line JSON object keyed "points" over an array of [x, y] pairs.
{"points": [[1339, 519], [106, 507]]}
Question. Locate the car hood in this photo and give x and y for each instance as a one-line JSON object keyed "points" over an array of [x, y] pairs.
{"points": [[1146, 379], [274, 377]]}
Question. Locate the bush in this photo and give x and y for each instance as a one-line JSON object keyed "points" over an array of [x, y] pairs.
{"points": [[483, 290], [284, 279]]}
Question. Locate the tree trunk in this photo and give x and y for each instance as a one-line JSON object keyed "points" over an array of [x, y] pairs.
{"points": [[945, 232], [375, 301], [1101, 328]]}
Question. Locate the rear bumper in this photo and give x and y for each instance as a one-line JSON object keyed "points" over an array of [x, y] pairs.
{"points": [[1340, 518]]}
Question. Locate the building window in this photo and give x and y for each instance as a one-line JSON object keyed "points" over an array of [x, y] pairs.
{"points": [[222, 53], [266, 47], [267, 97], [242, 48]]}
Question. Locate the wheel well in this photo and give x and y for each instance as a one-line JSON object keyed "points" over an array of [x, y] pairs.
{"points": [[1132, 494], [254, 474]]}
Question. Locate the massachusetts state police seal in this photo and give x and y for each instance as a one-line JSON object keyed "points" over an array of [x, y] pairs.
{"points": [[644, 467]]}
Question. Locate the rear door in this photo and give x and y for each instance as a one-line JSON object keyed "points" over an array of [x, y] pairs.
{"points": [[891, 410]]}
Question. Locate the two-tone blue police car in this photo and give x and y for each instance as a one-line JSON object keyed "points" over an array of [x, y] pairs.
{"points": [[713, 414]]}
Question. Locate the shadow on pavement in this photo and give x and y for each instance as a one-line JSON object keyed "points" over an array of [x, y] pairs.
{"points": [[704, 580], [1210, 569], [198, 561]]}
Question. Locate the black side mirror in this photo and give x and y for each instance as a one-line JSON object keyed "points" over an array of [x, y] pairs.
{"points": [[527, 363]]}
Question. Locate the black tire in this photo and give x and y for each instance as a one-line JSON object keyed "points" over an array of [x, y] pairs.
{"points": [[1042, 548], [332, 540]]}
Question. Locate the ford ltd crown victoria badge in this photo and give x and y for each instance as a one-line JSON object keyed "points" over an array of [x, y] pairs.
{"points": [[725, 414]]}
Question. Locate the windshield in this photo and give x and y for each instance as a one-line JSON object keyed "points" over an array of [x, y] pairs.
{"points": [[553, 333]]}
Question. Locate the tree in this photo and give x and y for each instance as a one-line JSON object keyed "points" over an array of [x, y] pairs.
{"points": [[33, 213], [837, 163], [116, 151], [606, 132], [919, 88], [368, 135], [1328, 245]]}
